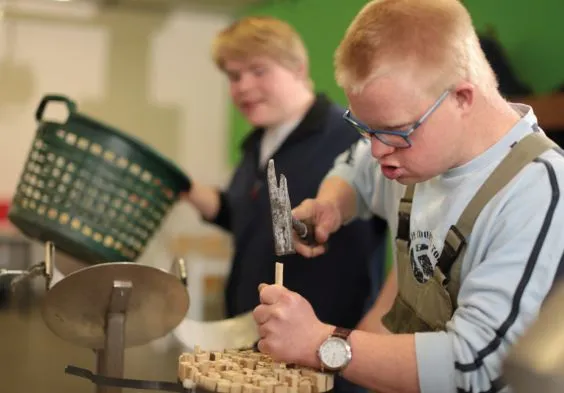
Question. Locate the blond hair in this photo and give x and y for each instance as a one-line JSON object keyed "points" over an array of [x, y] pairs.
{"points": [[260, 36], [435, 37]]}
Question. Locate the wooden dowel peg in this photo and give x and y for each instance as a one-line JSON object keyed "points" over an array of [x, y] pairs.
{"points": [[279, 275]]}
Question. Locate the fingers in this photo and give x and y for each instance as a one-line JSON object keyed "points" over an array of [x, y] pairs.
{"points": [[324, 228], [261, 314], [268, 319], [270, 294], [270, 297], [308, 251], [266, 312], [263, 347], [305, 210], [325, 218], [278, 323], [266, 346]]}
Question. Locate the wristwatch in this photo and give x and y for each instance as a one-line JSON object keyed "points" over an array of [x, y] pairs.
{"points": [[335, 352]]}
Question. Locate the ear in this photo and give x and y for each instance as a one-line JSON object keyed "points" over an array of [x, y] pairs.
{"points": [[464, 96]]}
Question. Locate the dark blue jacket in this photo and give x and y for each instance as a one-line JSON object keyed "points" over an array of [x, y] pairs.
{"points": [[336, 284]]}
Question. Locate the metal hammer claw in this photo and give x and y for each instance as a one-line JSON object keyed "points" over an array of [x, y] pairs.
{"points": [[282, 220]]}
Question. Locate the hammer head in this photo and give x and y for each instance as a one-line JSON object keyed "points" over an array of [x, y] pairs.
{"points": [[281, 212]]}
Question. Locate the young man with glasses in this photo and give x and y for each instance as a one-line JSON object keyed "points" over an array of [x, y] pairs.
{"points": [[471, 188], [267, 67]]}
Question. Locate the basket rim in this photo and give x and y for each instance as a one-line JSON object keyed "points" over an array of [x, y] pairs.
{"points": [[76, 116]]}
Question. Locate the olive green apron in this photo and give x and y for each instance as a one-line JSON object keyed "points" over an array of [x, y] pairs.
{"points": [[424, 307]]}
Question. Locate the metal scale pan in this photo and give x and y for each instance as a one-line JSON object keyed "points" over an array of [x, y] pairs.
{"points": [[77, 308]]}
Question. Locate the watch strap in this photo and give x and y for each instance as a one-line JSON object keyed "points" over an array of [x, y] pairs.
{"points": [[341, 332]]}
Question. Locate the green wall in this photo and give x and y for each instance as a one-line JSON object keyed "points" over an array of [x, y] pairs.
{"points": [[531, 36]]}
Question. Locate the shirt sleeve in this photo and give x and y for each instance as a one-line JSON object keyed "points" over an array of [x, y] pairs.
{"points": [[516, 248], [359, 169]]}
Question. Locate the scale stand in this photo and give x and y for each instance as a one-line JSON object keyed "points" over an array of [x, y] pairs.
{"points": [[111, 358], [109, 307]]}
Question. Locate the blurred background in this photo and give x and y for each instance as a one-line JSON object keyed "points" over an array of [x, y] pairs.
{"points": [[144, 67]]}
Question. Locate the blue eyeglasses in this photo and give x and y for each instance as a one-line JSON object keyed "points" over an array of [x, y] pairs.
{"points": [[399, 138]]}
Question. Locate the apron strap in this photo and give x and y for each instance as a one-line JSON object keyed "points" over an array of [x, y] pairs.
{"points": [[453, 246], [404, 213], [523, 153], [526, 150]]}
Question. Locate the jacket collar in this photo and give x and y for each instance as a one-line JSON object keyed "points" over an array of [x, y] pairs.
{"points": [[312, 123]]}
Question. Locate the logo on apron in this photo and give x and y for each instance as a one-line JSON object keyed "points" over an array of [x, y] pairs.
{"points": [[423, 255]]}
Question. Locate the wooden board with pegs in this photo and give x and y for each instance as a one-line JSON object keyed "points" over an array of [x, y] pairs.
{"points": [[247, 371]]}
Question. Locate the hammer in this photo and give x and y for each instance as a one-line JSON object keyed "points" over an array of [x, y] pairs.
{"points": [[282, 220]]}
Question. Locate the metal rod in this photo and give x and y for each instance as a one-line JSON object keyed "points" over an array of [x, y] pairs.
{"points": [[111, 358], [8, 272], [49, 263]]}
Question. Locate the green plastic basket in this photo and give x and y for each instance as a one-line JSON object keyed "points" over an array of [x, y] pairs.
{"points": [[95, 192]]}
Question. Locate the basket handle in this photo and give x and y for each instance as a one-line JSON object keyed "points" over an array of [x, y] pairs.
{"points": [[71, 106]]}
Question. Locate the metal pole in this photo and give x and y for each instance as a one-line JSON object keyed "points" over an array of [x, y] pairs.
{"points": [[111, 358]]}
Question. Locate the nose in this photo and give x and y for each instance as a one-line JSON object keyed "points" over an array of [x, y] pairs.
{"points": [[380, 149]]}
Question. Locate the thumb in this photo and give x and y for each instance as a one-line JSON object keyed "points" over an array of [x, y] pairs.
{"points": [[328, 221], [305, 211], [310, 212], [270, 294]]}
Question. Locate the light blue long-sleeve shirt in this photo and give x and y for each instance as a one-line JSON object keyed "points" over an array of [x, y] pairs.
{"points": [[511, 259]]}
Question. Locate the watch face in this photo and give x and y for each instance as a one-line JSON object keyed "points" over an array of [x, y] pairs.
{"points": [[334, 353]]}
